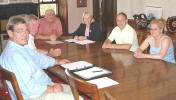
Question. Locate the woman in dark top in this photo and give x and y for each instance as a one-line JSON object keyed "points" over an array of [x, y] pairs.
{"points": [[89, 29]]}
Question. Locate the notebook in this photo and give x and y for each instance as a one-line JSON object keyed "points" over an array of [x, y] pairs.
{"points": [[92, 73]]}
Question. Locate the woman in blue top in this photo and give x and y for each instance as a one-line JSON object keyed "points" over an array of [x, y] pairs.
{"points": [[161, 46]]}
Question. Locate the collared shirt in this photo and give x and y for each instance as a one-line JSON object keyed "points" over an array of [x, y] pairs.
{"points": [[48, 28], [87, 31], [31, 43], [125, 36], [27, 67]]}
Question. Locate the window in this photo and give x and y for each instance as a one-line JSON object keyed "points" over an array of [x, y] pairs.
{"points": [[47, 4]]}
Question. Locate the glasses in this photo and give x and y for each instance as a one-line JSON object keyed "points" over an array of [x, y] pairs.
{"points": [[21, 31], [154, 29]]}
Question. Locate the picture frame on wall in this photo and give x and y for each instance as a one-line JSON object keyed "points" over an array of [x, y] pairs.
{"points": [[152, 11], [81, 3]]}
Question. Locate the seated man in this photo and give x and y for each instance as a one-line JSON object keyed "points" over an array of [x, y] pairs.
{"points": [[50, 26], [123, 34], [32, 22], [28, 65]]}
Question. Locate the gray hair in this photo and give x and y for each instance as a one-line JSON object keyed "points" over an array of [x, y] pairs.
{"points": [[29, 18], [14, 20]]}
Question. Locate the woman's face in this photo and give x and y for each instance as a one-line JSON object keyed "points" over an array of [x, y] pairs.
{"points": [[87, 19], [155, 30]]}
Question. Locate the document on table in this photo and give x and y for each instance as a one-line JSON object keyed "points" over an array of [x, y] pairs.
{"points": [[80, 42], [54, 42], [77, 65], [103, 82], [71, 40], [92, 72], [85, 42]]}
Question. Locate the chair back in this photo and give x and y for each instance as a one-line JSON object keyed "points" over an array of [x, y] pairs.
{"points": [[108, 96], [6, 75], [77, 85]]}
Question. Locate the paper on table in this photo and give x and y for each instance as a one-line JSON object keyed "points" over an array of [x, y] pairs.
{"points": [[103, 82], [80, 42], [54, 42], [92, 72], [85, 42], [71, 40], [77, 65]]}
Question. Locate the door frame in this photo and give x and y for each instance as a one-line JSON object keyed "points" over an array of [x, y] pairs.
{"points": [[96, 10]]}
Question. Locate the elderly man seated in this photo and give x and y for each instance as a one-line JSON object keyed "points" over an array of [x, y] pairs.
{"points": [[33, 23], [28, 65], [50, 26]]}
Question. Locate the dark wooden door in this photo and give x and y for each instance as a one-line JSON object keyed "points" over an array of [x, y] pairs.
{"points": [[106, 14]]}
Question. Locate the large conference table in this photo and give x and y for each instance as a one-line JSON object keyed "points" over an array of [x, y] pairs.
{"points": [[140, 79]]}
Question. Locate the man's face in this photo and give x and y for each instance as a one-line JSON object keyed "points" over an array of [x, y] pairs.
{"points": [[33, 27], [20, 34], [50, 15], [121, 21]]}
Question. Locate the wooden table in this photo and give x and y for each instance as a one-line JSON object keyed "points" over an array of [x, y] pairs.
{"points": [[140, 79]]}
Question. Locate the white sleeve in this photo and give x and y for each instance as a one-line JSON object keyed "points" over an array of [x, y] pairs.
{"points": [[112, 35]]}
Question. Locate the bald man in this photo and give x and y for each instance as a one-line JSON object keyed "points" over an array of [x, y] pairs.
{"points": [[50, 26], [123, 34]]}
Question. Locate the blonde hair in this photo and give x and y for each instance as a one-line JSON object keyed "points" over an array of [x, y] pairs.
{"points": [[92, 19], [160, 22]]}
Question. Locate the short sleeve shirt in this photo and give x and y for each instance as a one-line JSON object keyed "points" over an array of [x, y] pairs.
{"points": [[48, 28], [126, 36]]}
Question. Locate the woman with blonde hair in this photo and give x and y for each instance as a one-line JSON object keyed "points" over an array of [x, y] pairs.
{"points": [[88, 29], [161, 46]]}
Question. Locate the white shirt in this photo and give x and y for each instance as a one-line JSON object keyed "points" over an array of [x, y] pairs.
{"points": [[31, 43], [126, 36]]}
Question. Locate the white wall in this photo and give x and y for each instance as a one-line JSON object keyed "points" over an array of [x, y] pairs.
{"points": [[169, 6], [131, 7], [75, 14]]}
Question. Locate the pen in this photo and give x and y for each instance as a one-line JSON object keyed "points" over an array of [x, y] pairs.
{"points": [[97, 71]]}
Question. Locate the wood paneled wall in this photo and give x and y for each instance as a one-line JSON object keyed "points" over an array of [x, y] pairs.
{"points": [[63, 14]]}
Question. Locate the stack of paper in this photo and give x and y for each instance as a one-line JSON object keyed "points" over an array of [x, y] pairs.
{"points": [[77, 65], [54, 42], [71, 40], [83, 42], [103, 82]]}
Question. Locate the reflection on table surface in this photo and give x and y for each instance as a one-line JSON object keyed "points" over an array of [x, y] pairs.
{"points": [[140, 79]]}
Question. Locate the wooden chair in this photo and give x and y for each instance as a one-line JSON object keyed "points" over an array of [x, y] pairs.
{"points": [[9, 76], [83, 86], [108, 96]]}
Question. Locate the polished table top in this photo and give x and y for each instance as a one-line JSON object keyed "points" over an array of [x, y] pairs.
{"points": [[140, 79]]}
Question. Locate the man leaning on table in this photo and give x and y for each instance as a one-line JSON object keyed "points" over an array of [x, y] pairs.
{"points": [[28, 65], [123, 34], [33, 23], [50, 26]]}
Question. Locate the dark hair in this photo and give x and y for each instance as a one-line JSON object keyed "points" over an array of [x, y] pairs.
{"points": [[14, 20], [122, 13]]}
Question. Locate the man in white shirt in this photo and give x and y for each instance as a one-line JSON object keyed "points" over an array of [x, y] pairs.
{"points": [[123, 34], [33, 24]]}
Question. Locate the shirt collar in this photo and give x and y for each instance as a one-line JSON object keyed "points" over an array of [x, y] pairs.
{"points": [[16, 45]]}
